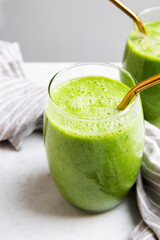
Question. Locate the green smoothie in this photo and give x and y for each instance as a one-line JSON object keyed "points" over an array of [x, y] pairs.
{"points": [[94, 151], [142, 60]]}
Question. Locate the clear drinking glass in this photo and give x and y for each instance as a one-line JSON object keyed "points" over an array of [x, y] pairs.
{"points": [[142, 59], [94, 162]]}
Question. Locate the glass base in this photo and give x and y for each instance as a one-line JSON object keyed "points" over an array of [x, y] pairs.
{"points": [[96, 211]]}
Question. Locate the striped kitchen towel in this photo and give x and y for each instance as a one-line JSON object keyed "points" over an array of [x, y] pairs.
{"points": [[22, 101], [21, 112], [148, 188]]}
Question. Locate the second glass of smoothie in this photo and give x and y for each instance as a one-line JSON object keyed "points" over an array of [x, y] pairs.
{"points": [[142, 60], [94, 151]]}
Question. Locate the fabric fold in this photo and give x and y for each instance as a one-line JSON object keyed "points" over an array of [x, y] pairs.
{"points": [[22, 102], [148, 187]]}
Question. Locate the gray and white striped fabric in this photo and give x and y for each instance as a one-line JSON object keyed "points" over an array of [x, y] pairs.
{"points": [[21, 112], [148, 187], [22, 102]]}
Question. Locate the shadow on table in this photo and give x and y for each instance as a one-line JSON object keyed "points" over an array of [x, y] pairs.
{"points": [[133, 207], [5, 145], [40, 195]]}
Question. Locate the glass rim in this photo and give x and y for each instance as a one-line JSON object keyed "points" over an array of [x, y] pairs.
{"points": [[140, 14], [121, 113]]}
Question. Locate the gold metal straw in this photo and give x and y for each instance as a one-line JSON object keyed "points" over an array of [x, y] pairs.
{"points": [[131, 14], [149, 82]]}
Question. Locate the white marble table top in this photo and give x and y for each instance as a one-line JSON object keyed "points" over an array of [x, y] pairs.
{"points": [[31, 208]]}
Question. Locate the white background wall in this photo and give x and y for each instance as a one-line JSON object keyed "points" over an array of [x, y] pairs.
{"points": [[68, 30]]}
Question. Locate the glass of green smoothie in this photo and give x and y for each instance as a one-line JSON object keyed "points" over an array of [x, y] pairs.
{"points": [[94, 151], [142, 60]]}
